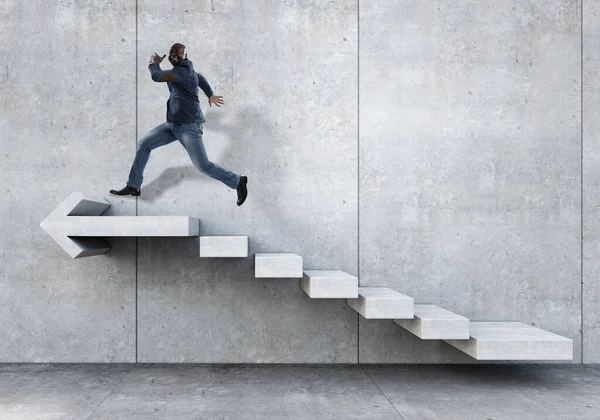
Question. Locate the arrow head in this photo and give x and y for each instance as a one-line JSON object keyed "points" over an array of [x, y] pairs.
{"points": [[76, 204]]}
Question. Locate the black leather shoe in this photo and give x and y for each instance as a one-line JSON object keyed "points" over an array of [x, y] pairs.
{"points": [[242, 191], [128, 190]]}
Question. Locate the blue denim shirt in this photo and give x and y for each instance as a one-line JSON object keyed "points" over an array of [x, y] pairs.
{"points": [[183, 105]]}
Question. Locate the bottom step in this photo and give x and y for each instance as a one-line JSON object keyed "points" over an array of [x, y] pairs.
{"points": [[513, 341]]}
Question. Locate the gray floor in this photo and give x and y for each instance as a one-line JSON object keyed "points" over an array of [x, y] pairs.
{"points": [[86, 391]]}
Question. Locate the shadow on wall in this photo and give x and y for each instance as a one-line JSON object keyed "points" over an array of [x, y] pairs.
{"points": [[171, 177], [257, 139]]}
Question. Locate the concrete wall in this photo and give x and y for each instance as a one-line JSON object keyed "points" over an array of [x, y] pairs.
{"points": [[470, 170], [435, 148], [590, 156]]}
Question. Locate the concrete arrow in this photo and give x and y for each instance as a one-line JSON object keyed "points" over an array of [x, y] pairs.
{"points": [[77, 225]]}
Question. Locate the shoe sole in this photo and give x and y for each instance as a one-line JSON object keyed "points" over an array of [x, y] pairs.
{"points": [[135, 195], [245, 183]]}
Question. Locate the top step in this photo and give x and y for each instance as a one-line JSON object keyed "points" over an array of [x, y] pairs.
{"points": [[382, 303], [513, 341]]}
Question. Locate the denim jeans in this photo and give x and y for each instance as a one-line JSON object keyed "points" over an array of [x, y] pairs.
{"points": [[190, 136]]}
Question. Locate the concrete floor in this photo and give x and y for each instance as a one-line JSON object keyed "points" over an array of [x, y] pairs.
{"points": [[91, 391]]}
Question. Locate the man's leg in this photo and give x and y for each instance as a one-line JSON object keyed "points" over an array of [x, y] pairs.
{"points": [[158, 136], [190, 136]]}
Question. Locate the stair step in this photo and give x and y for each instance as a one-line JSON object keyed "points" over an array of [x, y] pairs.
{"points": [[382, 303], [223, 246], [277, 265], [513, 341], [329, 284], [434, 323]]}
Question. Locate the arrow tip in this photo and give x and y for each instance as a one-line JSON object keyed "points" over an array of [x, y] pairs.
{"points": [[76, 204]]}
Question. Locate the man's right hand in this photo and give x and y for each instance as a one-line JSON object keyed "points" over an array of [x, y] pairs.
{"points": [[217, 100], [157, 58]]}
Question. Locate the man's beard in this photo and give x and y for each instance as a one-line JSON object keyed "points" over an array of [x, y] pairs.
{"points": [[174, 62]]}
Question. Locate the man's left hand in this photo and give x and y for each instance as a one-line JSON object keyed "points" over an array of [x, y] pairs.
{"points": [[217, 100]]}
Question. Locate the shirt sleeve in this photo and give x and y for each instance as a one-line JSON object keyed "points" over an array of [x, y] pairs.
{"points": [[159, 75], [203, 84]]}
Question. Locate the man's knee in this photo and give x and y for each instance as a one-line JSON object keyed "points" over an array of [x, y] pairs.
{"points": [[144, 147], [205, 166]]}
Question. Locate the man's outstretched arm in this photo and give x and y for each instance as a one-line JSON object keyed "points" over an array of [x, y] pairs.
{"points": [[159, 75]]}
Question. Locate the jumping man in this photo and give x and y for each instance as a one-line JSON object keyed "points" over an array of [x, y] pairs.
{"points": [[184, 123]]}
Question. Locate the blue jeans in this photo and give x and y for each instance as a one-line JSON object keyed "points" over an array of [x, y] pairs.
{"points": [[190, 136]]}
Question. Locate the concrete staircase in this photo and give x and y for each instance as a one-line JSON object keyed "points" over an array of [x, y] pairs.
{"points": [[78, 226], [480, 340]]}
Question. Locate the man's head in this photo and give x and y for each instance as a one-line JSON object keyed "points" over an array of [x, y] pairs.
{"points": [[177, 53]]}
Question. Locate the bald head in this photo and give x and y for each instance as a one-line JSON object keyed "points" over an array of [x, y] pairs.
{"points": [[177, 53]]}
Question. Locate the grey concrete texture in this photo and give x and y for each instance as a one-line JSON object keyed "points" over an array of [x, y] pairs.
{"points": [[59, 223], [67, 120], [470, 169], [591, 182], [382, 303], [56, 391], [464, 149], [329, 284], [287, 74], [276, 392], [277, 265], [498, 393], [431, 322], [223, 247], [513, 341], [95, 392], [215, 311], [78, 225]]}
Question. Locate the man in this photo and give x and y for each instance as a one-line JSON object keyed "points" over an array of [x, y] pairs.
{"points": [[184, 123]]}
